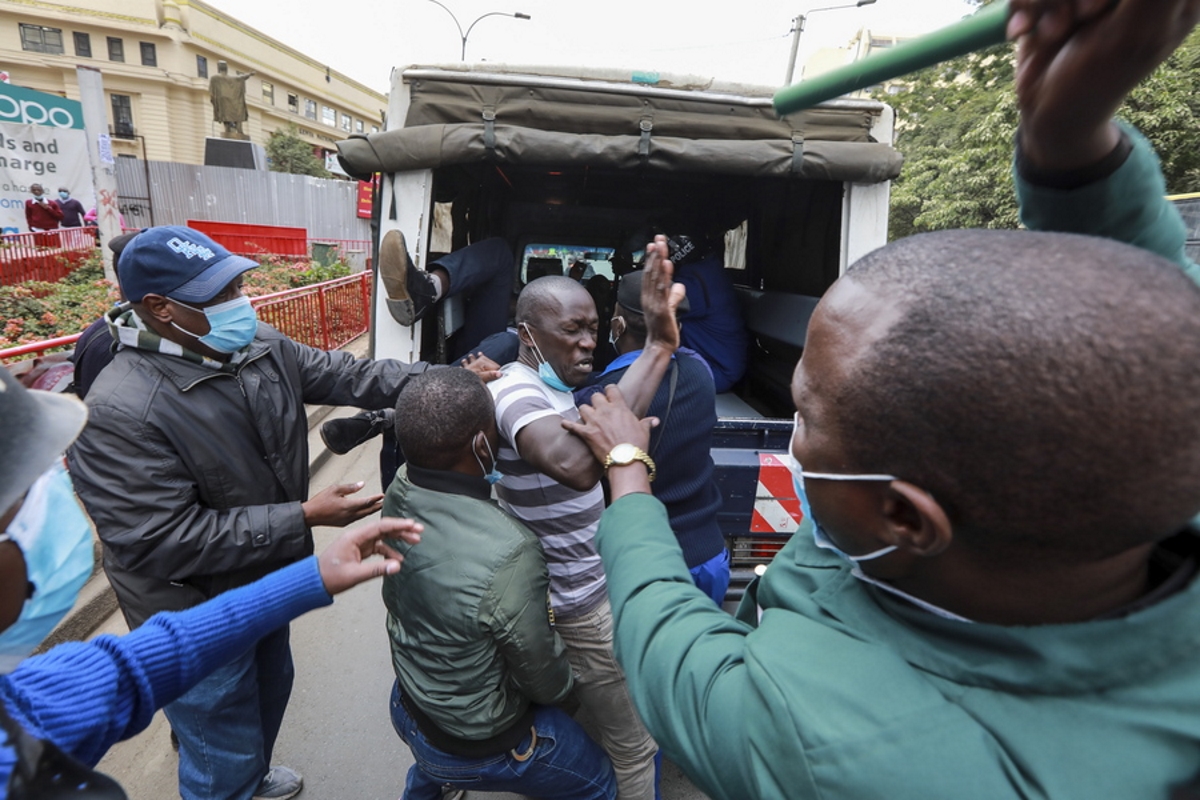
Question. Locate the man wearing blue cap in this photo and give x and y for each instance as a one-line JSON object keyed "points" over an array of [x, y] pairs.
{"points": [[194, 468]]}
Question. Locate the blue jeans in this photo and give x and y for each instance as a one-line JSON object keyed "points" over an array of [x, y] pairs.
{"points": [[228, 722], [483, 274], [712, 577], [564, 763]]}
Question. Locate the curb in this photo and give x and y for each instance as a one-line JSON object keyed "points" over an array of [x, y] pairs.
{"points": [[97, 601]]}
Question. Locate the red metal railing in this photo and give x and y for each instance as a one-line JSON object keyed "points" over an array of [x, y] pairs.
{"points": [[324, 315], [44, 256]]}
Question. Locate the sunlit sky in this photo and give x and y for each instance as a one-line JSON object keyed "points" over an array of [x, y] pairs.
{"points": [[747, 42]]}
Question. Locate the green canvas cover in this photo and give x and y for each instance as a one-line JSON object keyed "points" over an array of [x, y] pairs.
{"points": [[457, 118]]}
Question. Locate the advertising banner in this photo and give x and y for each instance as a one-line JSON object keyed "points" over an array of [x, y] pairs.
{"points": [[366, 193], [41, 141]]}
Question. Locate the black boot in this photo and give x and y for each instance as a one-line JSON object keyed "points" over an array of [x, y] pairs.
{"points": [[343, 435], [410, 292]]}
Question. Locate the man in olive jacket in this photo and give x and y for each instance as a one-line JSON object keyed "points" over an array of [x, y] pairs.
{"points": [[476, 657], [194, 468]]}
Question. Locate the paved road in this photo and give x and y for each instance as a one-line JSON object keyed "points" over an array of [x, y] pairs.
{"points": [[337, 732]]}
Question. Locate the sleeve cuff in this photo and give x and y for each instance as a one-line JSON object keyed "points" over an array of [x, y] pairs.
{"points": [[1075, 178]]}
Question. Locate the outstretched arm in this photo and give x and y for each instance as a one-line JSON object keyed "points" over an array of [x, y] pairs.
{"points": [[86, 696]]}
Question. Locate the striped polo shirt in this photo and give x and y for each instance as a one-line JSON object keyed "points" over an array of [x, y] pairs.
{"points": [[565, 520]]}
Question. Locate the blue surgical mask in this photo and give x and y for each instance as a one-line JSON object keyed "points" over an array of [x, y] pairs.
{"points": [[820, 537], [545, 371], [493, 476], [64, 195], [231, 325], [55, 538]]}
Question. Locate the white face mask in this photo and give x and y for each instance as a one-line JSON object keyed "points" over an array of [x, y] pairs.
{"points": [[822, 540]]}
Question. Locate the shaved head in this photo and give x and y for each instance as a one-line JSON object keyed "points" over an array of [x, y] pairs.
{"points": [[545, 296], [438, 415], [1043, 387]]}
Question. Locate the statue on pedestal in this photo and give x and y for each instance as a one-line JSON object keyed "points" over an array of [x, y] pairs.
{"points": [[228, 96]]}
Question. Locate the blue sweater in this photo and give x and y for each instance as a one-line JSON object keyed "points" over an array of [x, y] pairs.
{"points": [[87, 696]]}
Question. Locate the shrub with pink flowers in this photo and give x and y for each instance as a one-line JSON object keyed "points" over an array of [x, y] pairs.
{"points": [[34, 311]]}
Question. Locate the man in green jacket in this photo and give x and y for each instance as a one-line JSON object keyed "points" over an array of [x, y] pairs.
{"points": [[994, 591], [478, 663]]}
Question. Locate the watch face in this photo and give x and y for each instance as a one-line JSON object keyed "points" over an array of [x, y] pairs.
{"points": [[623, 453]]}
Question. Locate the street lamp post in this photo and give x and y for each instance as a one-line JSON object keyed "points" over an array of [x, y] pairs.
{"points": [[463, 36], [798, 28]]}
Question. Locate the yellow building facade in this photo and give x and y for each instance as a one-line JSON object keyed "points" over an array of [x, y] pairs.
{"points": [[156, 57]]}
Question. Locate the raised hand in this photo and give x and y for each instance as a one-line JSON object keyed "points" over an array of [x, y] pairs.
{"points": [[660, 296], [344, 564], [1077, 60]]}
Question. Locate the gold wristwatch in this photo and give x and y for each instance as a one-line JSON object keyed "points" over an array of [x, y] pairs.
{"points": [[624, 454]]}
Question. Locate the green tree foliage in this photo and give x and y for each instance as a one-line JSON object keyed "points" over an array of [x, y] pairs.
{"points": [[956, 123], [287, 152]]}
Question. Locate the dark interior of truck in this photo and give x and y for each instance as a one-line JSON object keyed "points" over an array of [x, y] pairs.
{"points": [[792, 232]]}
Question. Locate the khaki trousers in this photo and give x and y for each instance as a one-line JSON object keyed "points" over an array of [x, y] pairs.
{"points": [[600, 687]]}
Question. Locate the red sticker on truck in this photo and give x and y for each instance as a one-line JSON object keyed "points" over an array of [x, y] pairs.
{"points": [[776, 507]]}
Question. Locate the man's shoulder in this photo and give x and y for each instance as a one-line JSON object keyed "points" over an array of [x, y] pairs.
{"points": [[520, 391], [492, 535]]}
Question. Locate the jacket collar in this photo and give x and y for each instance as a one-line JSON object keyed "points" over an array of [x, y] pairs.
{"points": [[438, 480], [1048, 659], [185, 368]]}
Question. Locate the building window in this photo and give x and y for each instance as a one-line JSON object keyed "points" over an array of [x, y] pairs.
{"points": [[122, 110], [202, 66], [149, 54], [41, 40], [116, 49], [83, 45], [268, 93], [329, 116], [358, 126], [310, 109], [374, 129], [346, 122], [293, 103]]}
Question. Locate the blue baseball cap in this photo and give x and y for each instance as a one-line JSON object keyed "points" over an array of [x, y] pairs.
{"points": [[177, 262]]}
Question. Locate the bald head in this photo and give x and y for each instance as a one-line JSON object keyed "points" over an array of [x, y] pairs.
{"points": [[1043, 387], [545, 296]]}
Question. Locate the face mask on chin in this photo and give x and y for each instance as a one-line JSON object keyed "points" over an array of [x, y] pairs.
{"points": [[55, 538], [545, 371]]}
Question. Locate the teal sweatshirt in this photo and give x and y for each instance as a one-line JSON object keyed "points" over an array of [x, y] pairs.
{"points": [[824, 687]]}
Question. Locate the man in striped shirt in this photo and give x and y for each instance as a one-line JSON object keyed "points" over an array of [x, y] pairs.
{"points": [[552, 483]]}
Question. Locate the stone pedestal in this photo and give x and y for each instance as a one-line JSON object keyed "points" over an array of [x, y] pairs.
{"points": [[234, 153]]}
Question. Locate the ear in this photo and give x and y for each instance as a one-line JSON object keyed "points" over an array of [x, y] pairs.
{"points": [[478, 445], [916, 520], [158, 307], [523, 334]]}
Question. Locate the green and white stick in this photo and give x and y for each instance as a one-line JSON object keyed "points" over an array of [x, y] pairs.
{"points": [[983, 29]]}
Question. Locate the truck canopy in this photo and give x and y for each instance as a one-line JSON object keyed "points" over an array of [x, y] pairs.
{"points": [[592, 118]]}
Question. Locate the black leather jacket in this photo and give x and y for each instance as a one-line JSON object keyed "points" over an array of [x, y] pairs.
{"points": [[194, 477]]}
